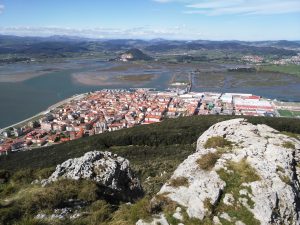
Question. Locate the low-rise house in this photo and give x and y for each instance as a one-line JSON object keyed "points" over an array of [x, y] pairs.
{"points": [[152, 119]]}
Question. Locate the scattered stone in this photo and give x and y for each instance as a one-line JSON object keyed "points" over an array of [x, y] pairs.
{"points": [[216, 221], [225, 216], [239, 223], [159, 219], [228, 199], [59, 214], [177, 215]]}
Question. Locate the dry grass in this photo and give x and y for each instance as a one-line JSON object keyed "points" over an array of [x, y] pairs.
{"points": [[179, 182], [217, 142], [208, 161], [288, 144], [162, 203]]}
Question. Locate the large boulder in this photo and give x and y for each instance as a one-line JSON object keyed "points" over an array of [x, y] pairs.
{"points": [[111, 172], [240, 174]]}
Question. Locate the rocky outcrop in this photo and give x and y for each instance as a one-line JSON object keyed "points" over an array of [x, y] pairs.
{"points": [[134, 54], [111, 172], [240, 174]]}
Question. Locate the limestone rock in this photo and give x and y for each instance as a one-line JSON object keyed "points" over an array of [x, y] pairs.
{"points": [[159, 219], [107, 170], [272, 198]]}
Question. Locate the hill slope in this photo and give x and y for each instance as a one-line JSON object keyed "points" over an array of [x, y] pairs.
{"points": [[181, 131], [154, 152]]}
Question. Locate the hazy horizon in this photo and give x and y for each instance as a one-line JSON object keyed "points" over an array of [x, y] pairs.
{"points": [[245, 20], [141, 39]]}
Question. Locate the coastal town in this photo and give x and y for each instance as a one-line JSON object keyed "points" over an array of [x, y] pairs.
{"points": [[111, 110], [255, 59]]}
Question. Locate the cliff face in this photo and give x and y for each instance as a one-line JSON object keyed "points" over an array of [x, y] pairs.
{"points": [[240, 174]]}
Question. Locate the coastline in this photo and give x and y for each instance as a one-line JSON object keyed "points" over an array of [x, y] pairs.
{"points": [[36, 116], [78, 97]]}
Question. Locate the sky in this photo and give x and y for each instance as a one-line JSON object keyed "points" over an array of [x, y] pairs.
{"points": [[147, 19]]}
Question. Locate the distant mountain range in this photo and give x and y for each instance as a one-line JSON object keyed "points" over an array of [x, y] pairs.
{"points": [[60, 45]]}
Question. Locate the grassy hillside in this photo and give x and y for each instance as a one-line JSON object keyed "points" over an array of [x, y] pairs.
{"points": [[182, 131], [154, 151]]}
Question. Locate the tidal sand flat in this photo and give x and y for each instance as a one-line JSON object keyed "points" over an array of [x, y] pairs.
{"points": [[137, 78], [32, 88], [92, 79]]}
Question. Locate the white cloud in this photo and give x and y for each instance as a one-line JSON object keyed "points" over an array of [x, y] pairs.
{"points": [[177, 32], [182, 32], [245, 7], [1, 8]]}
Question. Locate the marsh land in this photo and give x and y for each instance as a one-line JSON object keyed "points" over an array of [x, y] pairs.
{"points": [[32, 78]]}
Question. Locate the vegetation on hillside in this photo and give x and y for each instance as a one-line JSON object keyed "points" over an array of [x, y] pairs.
{"points": [[154, 152]]}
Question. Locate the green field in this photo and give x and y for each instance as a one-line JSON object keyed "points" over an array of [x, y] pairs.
{"points": [[287, 69], [288, 113]]}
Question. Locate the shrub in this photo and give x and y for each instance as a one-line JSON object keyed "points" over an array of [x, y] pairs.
{"points": [[9, 214], [208, 161], [4, 176], [217, 141], [178, 182]]}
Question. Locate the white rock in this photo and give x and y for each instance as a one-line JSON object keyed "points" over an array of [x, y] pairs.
{"points": [[203, 186], [216, 221], [160, 219], [239, 223], [225, 216], [228, 199], [277, 190], [109, 170], [178, 216]]}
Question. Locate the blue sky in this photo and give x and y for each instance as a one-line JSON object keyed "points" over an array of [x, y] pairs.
{"points": [[147, 19]]}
